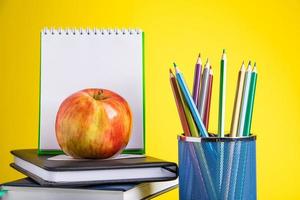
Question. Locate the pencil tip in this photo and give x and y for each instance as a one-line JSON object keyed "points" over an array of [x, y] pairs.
{"points": [[207, 63], [243, 63], [254, 69], [224, 55], [249, 63], [174, 64], [170, 70], [199, 62]]}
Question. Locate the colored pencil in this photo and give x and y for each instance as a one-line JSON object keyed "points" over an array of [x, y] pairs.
{"points": [[202, 132], [191, 104], [189, 118], [227, 190], [208, 102], [222, 96], [246, 132], [242, 115], [203, 91], [197, 79], [221, 120], [192, 126], [179, 105], [237, 101], [250, 103]]}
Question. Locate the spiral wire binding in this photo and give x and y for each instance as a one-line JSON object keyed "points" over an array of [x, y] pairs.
{"points": [[90, 31]]}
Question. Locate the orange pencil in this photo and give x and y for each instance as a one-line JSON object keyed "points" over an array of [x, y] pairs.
{"points": [[179, 104], [208, 101]]}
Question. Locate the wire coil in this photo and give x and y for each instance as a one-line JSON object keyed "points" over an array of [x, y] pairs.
{"points": [[90, 31]]}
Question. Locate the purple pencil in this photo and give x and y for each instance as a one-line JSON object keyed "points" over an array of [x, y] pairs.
{"points": [[197, 79]]}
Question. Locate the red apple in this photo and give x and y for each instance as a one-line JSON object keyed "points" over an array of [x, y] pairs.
{"points": [[93, 123]]}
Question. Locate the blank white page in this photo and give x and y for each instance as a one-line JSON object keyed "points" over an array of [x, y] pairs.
{"points": [[72, 60]]}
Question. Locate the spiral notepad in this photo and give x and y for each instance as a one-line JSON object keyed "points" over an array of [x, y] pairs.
{"points": [[75, 59]]}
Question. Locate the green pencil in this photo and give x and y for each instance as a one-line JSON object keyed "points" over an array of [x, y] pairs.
{"points": [[250, 103], [222, 95]]}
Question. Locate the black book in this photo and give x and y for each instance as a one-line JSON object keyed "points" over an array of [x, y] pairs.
{"points": [[47, 171], [28, 189]]}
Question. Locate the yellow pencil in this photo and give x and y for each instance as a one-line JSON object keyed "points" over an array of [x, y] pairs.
{"points": [[237, 102]]}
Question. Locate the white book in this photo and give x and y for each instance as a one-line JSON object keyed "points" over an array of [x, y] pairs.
{"points": [[28, 189]]}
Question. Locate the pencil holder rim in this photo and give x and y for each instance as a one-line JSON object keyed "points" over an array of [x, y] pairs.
{"points": [[216, 139]]}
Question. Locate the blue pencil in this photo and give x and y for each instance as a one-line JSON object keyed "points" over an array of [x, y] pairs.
{"points": [[191, 103]]}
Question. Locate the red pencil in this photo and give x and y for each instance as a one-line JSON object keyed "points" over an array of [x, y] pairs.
{"points": [[179, 104], [209, 92]]}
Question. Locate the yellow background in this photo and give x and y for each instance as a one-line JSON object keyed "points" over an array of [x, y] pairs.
{"points": [[265, 32]]}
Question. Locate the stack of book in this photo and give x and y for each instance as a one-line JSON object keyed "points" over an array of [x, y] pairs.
{"points": [[98, 58], [63, 177]]}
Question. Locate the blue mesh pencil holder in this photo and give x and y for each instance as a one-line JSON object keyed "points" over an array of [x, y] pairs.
{"points": [[217, 168]]}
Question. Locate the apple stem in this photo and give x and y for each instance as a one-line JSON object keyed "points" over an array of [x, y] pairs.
{"points": [[99, 95]]}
